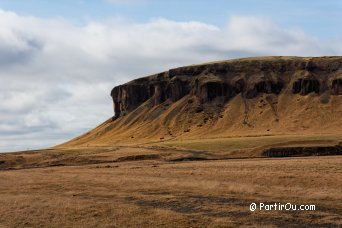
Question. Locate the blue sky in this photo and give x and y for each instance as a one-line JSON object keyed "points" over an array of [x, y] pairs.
{"points": [[316, 17], [60, 59]]}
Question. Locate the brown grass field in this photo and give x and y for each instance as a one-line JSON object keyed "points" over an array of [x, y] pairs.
{"points": [[185, 183]]}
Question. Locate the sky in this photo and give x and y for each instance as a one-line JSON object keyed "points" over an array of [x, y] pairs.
{"points": [[60, 59]]}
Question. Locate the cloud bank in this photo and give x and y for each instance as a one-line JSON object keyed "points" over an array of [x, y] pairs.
{"points": [[56, 76]]}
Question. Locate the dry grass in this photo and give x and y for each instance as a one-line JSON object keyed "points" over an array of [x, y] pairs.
{"points": [[154, 193], [296, 116], [151, 185]]}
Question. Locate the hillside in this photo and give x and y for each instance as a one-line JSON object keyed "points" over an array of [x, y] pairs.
{"points": [[234, 98]]}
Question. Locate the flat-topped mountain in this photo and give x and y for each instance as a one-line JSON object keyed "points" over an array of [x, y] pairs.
{"points": [[240, 97]]}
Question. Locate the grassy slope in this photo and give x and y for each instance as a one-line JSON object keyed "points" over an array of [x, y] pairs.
{"points": [[296, 116]]}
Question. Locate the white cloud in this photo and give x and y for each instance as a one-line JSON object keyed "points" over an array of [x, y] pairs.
{"points": [[56, 77]]}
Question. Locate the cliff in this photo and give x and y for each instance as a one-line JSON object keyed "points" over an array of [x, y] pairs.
{"points": [[225, 80], [233, 98]]}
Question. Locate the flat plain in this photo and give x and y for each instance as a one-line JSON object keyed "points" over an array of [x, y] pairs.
{"points": [[155, 185]]}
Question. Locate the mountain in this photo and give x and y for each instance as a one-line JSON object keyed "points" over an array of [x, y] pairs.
{"points": [[233, 98]]}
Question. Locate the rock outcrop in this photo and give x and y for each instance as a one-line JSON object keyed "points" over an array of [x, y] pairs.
{"points": [[305, 86], [222, 81], [336, 86]]}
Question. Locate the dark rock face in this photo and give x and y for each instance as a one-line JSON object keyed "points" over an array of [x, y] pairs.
{"points": [[127, 97], [264, 86], [159, 94], [306, 86], [249, 77], [130, 95], [209, 90], [336, 87], [177, 88]]}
